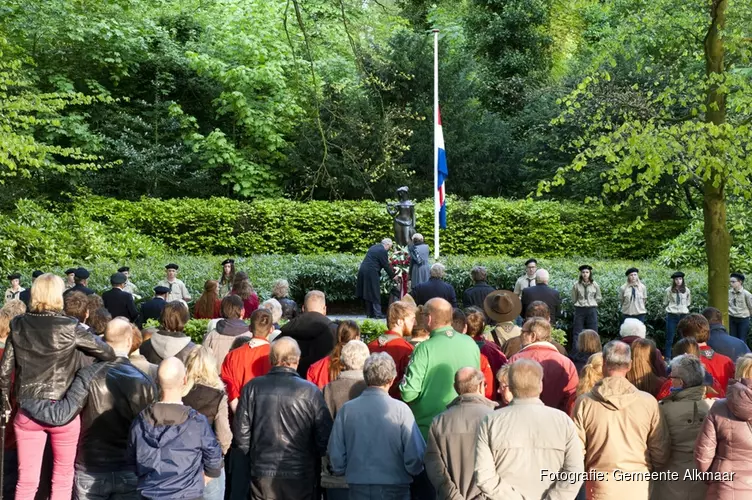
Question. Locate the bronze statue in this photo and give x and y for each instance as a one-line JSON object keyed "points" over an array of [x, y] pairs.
{"points": [[404, 217]]}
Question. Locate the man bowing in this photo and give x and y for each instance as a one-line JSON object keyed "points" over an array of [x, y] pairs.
{"points": [[377, 258]]}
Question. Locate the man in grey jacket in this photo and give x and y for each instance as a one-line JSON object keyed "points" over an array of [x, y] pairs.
{"points": [[375, 442], [528, 450], [451, 440]]}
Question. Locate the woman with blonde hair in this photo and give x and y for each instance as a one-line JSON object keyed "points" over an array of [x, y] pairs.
{"points": [[41, 352], [205, 393], [328, 369], [281, 292], [590, 374], [208, 305], [641, 374]]}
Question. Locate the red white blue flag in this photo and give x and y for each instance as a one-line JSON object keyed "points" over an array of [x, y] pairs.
{"points": [[441, 168]]}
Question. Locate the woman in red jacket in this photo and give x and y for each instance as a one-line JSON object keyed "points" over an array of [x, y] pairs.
{"points": [[242, 288], [328, 369]]}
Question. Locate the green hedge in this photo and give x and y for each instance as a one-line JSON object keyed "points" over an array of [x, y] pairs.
{"points": [[688, 248], [336, 276], [482, 226]]}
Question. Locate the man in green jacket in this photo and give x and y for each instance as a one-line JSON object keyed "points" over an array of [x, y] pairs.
{"points": [[428, 385]]}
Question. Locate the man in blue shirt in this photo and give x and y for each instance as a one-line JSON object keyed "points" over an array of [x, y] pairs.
{"points": [[375, 442], [720, 341]]}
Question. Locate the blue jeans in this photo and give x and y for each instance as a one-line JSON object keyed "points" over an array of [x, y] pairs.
{"points": [[215, 489], [585, 318], [739, 328], [671, 321], [119, 485], [379, 492]]}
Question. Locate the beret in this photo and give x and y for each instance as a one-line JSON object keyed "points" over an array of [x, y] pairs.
{"points": [[172, 266], [118, 279], [161, 290], [82, 273], [631, 270]]}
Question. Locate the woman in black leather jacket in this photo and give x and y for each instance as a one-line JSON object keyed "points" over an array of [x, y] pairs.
{"points": [[43, 351]]}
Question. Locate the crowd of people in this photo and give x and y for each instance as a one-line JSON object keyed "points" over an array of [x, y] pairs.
{"points": [[280, 402]]}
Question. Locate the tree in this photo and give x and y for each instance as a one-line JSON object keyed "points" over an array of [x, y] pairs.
{"points": [[27, 115], [688, 120]]}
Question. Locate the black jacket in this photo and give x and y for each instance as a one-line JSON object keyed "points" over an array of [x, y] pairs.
{"points": [[25, 297], [432, 289], [79, 288], [111, 395], [120, 303], [283, 424], [475, 295], [369, 273], [41, 349], [544, 293], [151, 309], [316, 336]]}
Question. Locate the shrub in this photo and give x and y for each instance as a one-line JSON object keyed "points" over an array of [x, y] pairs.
{"points": [[336, 276], [482, 226], [35, 235], [688, 249]]}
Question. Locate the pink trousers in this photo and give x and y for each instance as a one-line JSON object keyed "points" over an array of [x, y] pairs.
{"points": [[31, 438]]}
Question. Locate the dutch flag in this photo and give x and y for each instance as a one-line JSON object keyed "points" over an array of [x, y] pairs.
{"points": [[441, 168]]}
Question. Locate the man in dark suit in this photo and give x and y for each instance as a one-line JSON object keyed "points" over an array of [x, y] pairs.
{"points": [[312, 330], [25, 296], [152, 309], [435, 287], [541, 291], [475, 296], [368, 286], [82, 279], [118, 301]]}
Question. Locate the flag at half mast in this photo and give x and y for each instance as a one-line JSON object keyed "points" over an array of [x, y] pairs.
{"points": [[441, 169]]}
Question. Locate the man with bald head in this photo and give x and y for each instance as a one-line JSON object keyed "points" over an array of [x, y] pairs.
{"points": [[451, 441], [109, 396], [172, 446], [282, 425], [541, 291], [428, 384], [314, 333]]}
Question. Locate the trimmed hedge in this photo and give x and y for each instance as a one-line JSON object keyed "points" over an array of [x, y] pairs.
{"points": [[482, 226], [336, 275]]}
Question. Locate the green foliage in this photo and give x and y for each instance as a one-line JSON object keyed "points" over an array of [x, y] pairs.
{"points": [[483, 226], [643, 105], [196, 329], [688, 249], [27, 115], [41, 236], [559, 336], [371, 329], [509, 38]]}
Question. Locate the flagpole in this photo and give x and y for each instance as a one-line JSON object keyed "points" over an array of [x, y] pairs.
{"points": [[436, 202]]}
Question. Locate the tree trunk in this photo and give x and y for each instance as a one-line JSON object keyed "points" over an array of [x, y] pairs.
{"points": [[717, 246], [717, 237]]}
